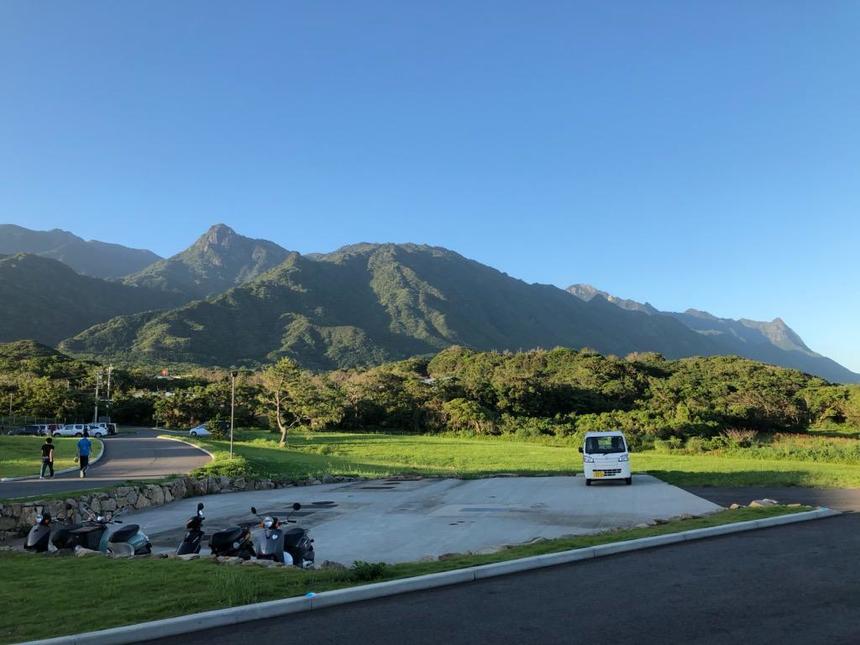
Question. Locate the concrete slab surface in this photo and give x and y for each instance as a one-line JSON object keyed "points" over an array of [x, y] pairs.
{"points": [[400, 521]]}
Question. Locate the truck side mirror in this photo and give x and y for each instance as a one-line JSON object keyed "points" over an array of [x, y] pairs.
{"points": [[580, 449]]}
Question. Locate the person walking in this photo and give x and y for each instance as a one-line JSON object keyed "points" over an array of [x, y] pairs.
{"points": [[47, 458], [84, 448]]}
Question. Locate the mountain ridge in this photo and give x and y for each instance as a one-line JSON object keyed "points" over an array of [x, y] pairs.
{"points": [[46, 300], [768, 341], [88, 257], [218, 260]]}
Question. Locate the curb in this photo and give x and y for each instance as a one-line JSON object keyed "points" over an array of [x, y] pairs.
{"points": [[65, 471], [187, 443], [274, 608]]}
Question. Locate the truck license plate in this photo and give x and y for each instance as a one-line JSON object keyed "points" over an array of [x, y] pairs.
{"points": [[598, 473]]}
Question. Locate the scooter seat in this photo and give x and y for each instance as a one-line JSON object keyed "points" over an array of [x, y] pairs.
{"points": [[82, 530], [124, 534], [226, 537], [292, 536]]}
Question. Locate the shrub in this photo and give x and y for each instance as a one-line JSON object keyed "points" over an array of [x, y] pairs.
{"points": [[738, 438], [368, 571]]}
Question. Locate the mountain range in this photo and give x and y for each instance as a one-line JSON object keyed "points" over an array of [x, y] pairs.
{"points": [[231, 300], [92, 258]]}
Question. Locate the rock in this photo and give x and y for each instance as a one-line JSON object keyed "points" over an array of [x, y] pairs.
{"points": [[186, 557], [178, 489], [734, 506], [450, 556], [332, 565], [642, 526], [328, 479], [155, 494], [756, 503], [81, 552], [259, 563], [142, 502], [795, 505], [227, 559], [109, 505]]}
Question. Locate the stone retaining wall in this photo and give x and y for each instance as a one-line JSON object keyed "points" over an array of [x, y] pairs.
{"points": [[16, 518]]}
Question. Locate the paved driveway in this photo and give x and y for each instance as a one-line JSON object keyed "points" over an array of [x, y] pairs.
{"points": [[397, 521], [132, 454]]}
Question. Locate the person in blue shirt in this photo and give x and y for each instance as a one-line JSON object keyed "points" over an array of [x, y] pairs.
{"points": [[84, 448]]}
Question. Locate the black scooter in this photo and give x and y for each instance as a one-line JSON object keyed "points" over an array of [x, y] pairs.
{"points": [[194, 533], [292, 546], [235, 541]]}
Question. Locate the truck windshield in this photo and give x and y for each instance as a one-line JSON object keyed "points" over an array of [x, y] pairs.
{"points": [[604, 445]]}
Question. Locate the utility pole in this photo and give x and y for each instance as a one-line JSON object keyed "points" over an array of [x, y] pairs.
{"points": [[232, 408], [98, 383], [109, 401]]}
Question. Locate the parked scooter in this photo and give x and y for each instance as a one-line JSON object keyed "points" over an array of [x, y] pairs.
{"points": [[194, 533], [235, 541], [39, 537], [94, 534], [292, 546]]}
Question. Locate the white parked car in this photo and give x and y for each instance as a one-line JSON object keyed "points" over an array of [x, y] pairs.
{"points": [[199, 431], [606, 455], [71, 430], [98, 430], [77, 430]]}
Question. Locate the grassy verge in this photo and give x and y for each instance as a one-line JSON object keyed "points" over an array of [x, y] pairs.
{"points": [[383, 455], [114, 586], [22, 456]]}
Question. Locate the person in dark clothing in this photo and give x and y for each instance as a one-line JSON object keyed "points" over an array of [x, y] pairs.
{"points": [[47, 458]]}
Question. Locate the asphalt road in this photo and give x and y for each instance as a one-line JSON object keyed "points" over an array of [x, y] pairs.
{"points": [[791, 584], [136, 454]]}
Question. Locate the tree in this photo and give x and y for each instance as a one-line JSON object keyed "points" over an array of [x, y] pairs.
{"points": [[463, 414], [297, 398]]}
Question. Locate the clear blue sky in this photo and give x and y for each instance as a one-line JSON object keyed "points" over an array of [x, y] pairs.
{"points": [[692, 154]]}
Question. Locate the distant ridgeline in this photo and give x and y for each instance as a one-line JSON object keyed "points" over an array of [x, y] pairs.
{"points": [[231, 300]]}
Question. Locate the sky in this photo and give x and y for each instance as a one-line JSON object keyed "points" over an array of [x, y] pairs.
{"points": [[688, 154]]}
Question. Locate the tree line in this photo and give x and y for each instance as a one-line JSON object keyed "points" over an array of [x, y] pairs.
{"points": [[559, 392]]}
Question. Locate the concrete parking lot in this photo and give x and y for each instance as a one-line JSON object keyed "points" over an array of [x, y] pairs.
{"points": [[398, 521]]}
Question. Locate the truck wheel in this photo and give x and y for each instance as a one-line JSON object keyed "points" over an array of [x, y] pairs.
{"points": [[628, 481], [587, 481]]}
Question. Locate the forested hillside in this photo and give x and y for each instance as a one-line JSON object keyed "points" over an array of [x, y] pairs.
{"points": [[371, 303], [47, 301]]}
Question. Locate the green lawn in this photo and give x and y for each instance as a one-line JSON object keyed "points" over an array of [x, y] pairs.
{"points": [[173, 588], [382, 455], [20, 456]]}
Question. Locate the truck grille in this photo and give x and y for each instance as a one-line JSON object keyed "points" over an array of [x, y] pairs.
{"points": [[608, 472]]}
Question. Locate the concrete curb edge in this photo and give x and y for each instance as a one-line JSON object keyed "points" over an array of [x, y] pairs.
{"points": [[187, 443], [65, 471], [274, 608]]}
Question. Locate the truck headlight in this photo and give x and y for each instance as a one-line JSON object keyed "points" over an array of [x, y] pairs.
{"points": [[588, 459], [624, 458]]}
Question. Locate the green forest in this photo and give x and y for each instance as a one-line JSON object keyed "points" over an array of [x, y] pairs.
{"points": [[543, 393]]}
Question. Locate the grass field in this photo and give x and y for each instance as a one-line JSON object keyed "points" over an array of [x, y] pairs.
{"points": [[131, 591], [381, 455], [21, 456]]}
